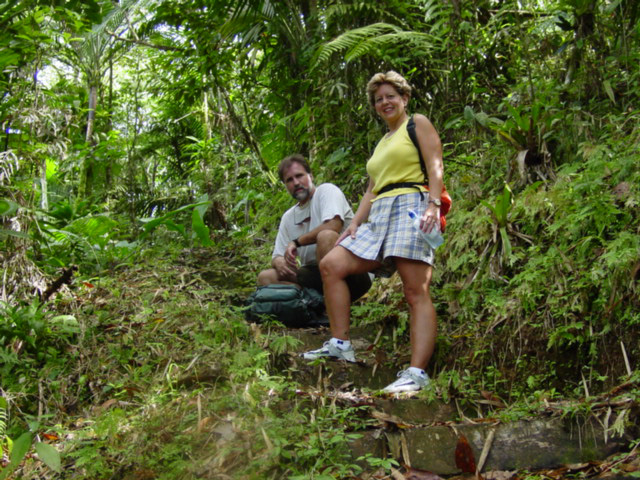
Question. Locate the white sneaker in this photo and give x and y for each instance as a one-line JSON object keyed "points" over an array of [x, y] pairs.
{"points": [[329, 350], [407, 382]]}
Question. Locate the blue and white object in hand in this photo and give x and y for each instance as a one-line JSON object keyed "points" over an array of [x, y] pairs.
{"points": [[434, 237]]}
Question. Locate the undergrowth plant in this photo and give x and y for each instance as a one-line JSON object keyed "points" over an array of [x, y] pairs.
{"points": [[78, 233], [165, 361], [566, 292]]}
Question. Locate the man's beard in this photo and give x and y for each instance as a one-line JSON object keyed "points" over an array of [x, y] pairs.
{"points": [[302, 194]]}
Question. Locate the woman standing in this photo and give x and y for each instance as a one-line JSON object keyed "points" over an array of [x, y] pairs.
{"points": [[389, 241]]}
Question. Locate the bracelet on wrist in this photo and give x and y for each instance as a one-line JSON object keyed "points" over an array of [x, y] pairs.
{"points": [[296, 241]]}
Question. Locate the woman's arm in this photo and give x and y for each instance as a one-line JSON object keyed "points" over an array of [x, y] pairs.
{"points": [[361, 214], [431, 149]]}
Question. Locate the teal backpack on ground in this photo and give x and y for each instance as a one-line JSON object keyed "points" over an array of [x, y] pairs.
{"points": [[291, 305]]}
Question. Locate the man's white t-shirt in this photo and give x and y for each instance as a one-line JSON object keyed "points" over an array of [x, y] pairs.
{"points": [[327, 202]]}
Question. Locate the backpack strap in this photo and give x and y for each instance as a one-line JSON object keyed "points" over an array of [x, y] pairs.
{"points": [[445, 198], [411, 130]]}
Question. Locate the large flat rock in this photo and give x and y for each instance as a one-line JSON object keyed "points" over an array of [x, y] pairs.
{"points": [[534, 444]]}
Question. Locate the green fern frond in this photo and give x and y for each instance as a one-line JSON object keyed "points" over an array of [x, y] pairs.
{"points": [[92, 227], [436, 10], [418, 41], [62, 237], [351, 39], [371, 39]]}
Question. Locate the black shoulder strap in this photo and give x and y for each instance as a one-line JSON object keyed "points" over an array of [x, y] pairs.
{"points": [[411, 130]]}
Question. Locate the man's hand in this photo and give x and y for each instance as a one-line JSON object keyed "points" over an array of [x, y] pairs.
{"points": [[290, 255], [285, 271]]}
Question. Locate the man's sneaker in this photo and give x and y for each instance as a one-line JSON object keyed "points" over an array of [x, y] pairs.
{"points": [[407, 382], [329, 350]]}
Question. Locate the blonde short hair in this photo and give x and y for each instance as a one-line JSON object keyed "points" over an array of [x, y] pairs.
{"points": [[392, 78]]}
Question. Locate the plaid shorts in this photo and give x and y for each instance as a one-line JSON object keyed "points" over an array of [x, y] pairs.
{"points": [[390, 233]]}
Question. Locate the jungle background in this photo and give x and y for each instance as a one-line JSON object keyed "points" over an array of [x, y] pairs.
{"points": [[139, 198]]}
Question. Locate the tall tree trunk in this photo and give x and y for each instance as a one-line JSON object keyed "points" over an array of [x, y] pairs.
{"points": [[44, 191], [86, 179], [109, 167]]}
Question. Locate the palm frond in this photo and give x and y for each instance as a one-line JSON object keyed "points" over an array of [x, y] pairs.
{"points": [[249, 20], [117, 15], [243, 17]]}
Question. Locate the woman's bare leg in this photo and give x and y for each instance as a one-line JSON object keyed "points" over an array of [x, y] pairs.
{"points": [[337, 265], [416, 278]]}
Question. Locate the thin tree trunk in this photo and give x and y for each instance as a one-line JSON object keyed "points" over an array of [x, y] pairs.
{"points": [[109, 167], [86, 181], [44, 190]]}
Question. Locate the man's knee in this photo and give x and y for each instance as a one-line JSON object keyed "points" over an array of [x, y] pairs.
{"points": [[325, 241], [267, 277], [327, 236]]}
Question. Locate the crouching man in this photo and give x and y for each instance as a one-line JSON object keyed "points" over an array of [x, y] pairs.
{"points": [[308, 230]]}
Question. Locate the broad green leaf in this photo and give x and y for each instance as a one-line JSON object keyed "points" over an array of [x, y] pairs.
{"points": [[175, 227], [203, 205], [490, 207], [66, 323], [7, 207], [200, 229], [20, 448], [510, 139], [51, 168], [503, 205], [49, 455], [9, 58], [521, 121], [506, 243], [12, 233], [468, 114], [482, 118], [68, 319], [150, 223], [607, 88]]}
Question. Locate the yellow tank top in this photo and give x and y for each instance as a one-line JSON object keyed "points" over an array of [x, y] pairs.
{"points": [[395, 160]]}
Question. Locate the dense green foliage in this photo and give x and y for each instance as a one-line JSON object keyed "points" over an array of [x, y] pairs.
{"points": [[134, 130]]}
